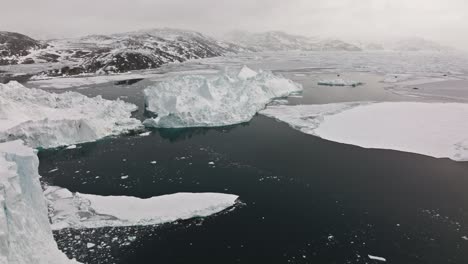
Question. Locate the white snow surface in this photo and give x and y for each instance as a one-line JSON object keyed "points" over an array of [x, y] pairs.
{"points": [[77, 210], [435, 129], [210, 101], [25, 233], [44, 119]]}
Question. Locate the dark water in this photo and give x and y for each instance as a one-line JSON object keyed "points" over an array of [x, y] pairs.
{"points": [[306, 200]]}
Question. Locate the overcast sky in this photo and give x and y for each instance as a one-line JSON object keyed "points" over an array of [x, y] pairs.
{"points": [[445, 21]]}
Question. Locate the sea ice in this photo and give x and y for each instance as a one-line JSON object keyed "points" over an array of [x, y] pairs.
{"points": [[435, 129], [207, 101], [76, 210], [44, 119], [339, 82], [25, 233]]}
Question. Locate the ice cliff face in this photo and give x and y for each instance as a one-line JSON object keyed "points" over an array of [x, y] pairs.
{"points": [[44, 119], [209, 101], [25, 233]]}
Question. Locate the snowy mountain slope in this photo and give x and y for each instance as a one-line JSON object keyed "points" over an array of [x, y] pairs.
{"points": [[281, 41], [115, 53], [15, 47], [418, 44]]}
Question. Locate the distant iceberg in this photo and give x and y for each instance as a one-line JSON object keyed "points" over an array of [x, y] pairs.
{"points": [[25, 233], [44, 119], [435, 129], [210, 101], [339, 82], [76, 210]]}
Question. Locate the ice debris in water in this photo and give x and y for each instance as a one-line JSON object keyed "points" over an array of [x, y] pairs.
{"points": [[210, 101], [339, 82], [44, 119], [377, 258], [77, 210], [26, 235]]}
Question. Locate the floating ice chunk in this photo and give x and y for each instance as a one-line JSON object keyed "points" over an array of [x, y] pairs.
{"points": [[339, 82], [435, 129], [44, 119], [207, 101], [377, 258], [25, 233], [76, 210], [90, 245], [145, 134], [71, 147], [246, 73]]}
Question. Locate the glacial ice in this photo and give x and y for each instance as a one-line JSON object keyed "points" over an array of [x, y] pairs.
{"points": [[435, 129], [25, 233], [77, 210], [207, 101], [44, 119], [339, 82]]}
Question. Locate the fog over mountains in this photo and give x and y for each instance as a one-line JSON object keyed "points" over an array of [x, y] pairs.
{"points": [[147, 49]]}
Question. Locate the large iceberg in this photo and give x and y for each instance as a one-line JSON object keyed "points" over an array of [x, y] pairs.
{"points": [[44, 119], [25, 233], [209, 101], [435, 129], [76, 210]]}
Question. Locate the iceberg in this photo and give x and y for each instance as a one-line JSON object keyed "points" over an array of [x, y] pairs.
{"points": [[210, 101], [25, 233], [43, 119], [339, 82], [439, 130], [77, 210]]}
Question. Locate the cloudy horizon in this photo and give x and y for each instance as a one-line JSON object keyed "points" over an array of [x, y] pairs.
{"points": [[366, 20]]}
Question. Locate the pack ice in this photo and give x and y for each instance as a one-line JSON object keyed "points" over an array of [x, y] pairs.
{"points": [[339, 82], [25, 233], [209, 101], [44, 119], [435, 129], [77, 210]]}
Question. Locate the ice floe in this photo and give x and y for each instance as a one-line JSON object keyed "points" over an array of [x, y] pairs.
{"points": [[339, 82], [44, 119], [25, 232], [435, 129], [76, 210], [377, 258], [209, 101]]}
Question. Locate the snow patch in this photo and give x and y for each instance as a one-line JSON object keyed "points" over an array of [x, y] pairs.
{"points": [[44, 119], [434, 129], [207, 101], [76, 210], [25, 233]]}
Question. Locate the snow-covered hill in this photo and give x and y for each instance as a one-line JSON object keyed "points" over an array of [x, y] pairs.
{"points": [[281, 41], [15, 48], [418, 44], [114, 53]]}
